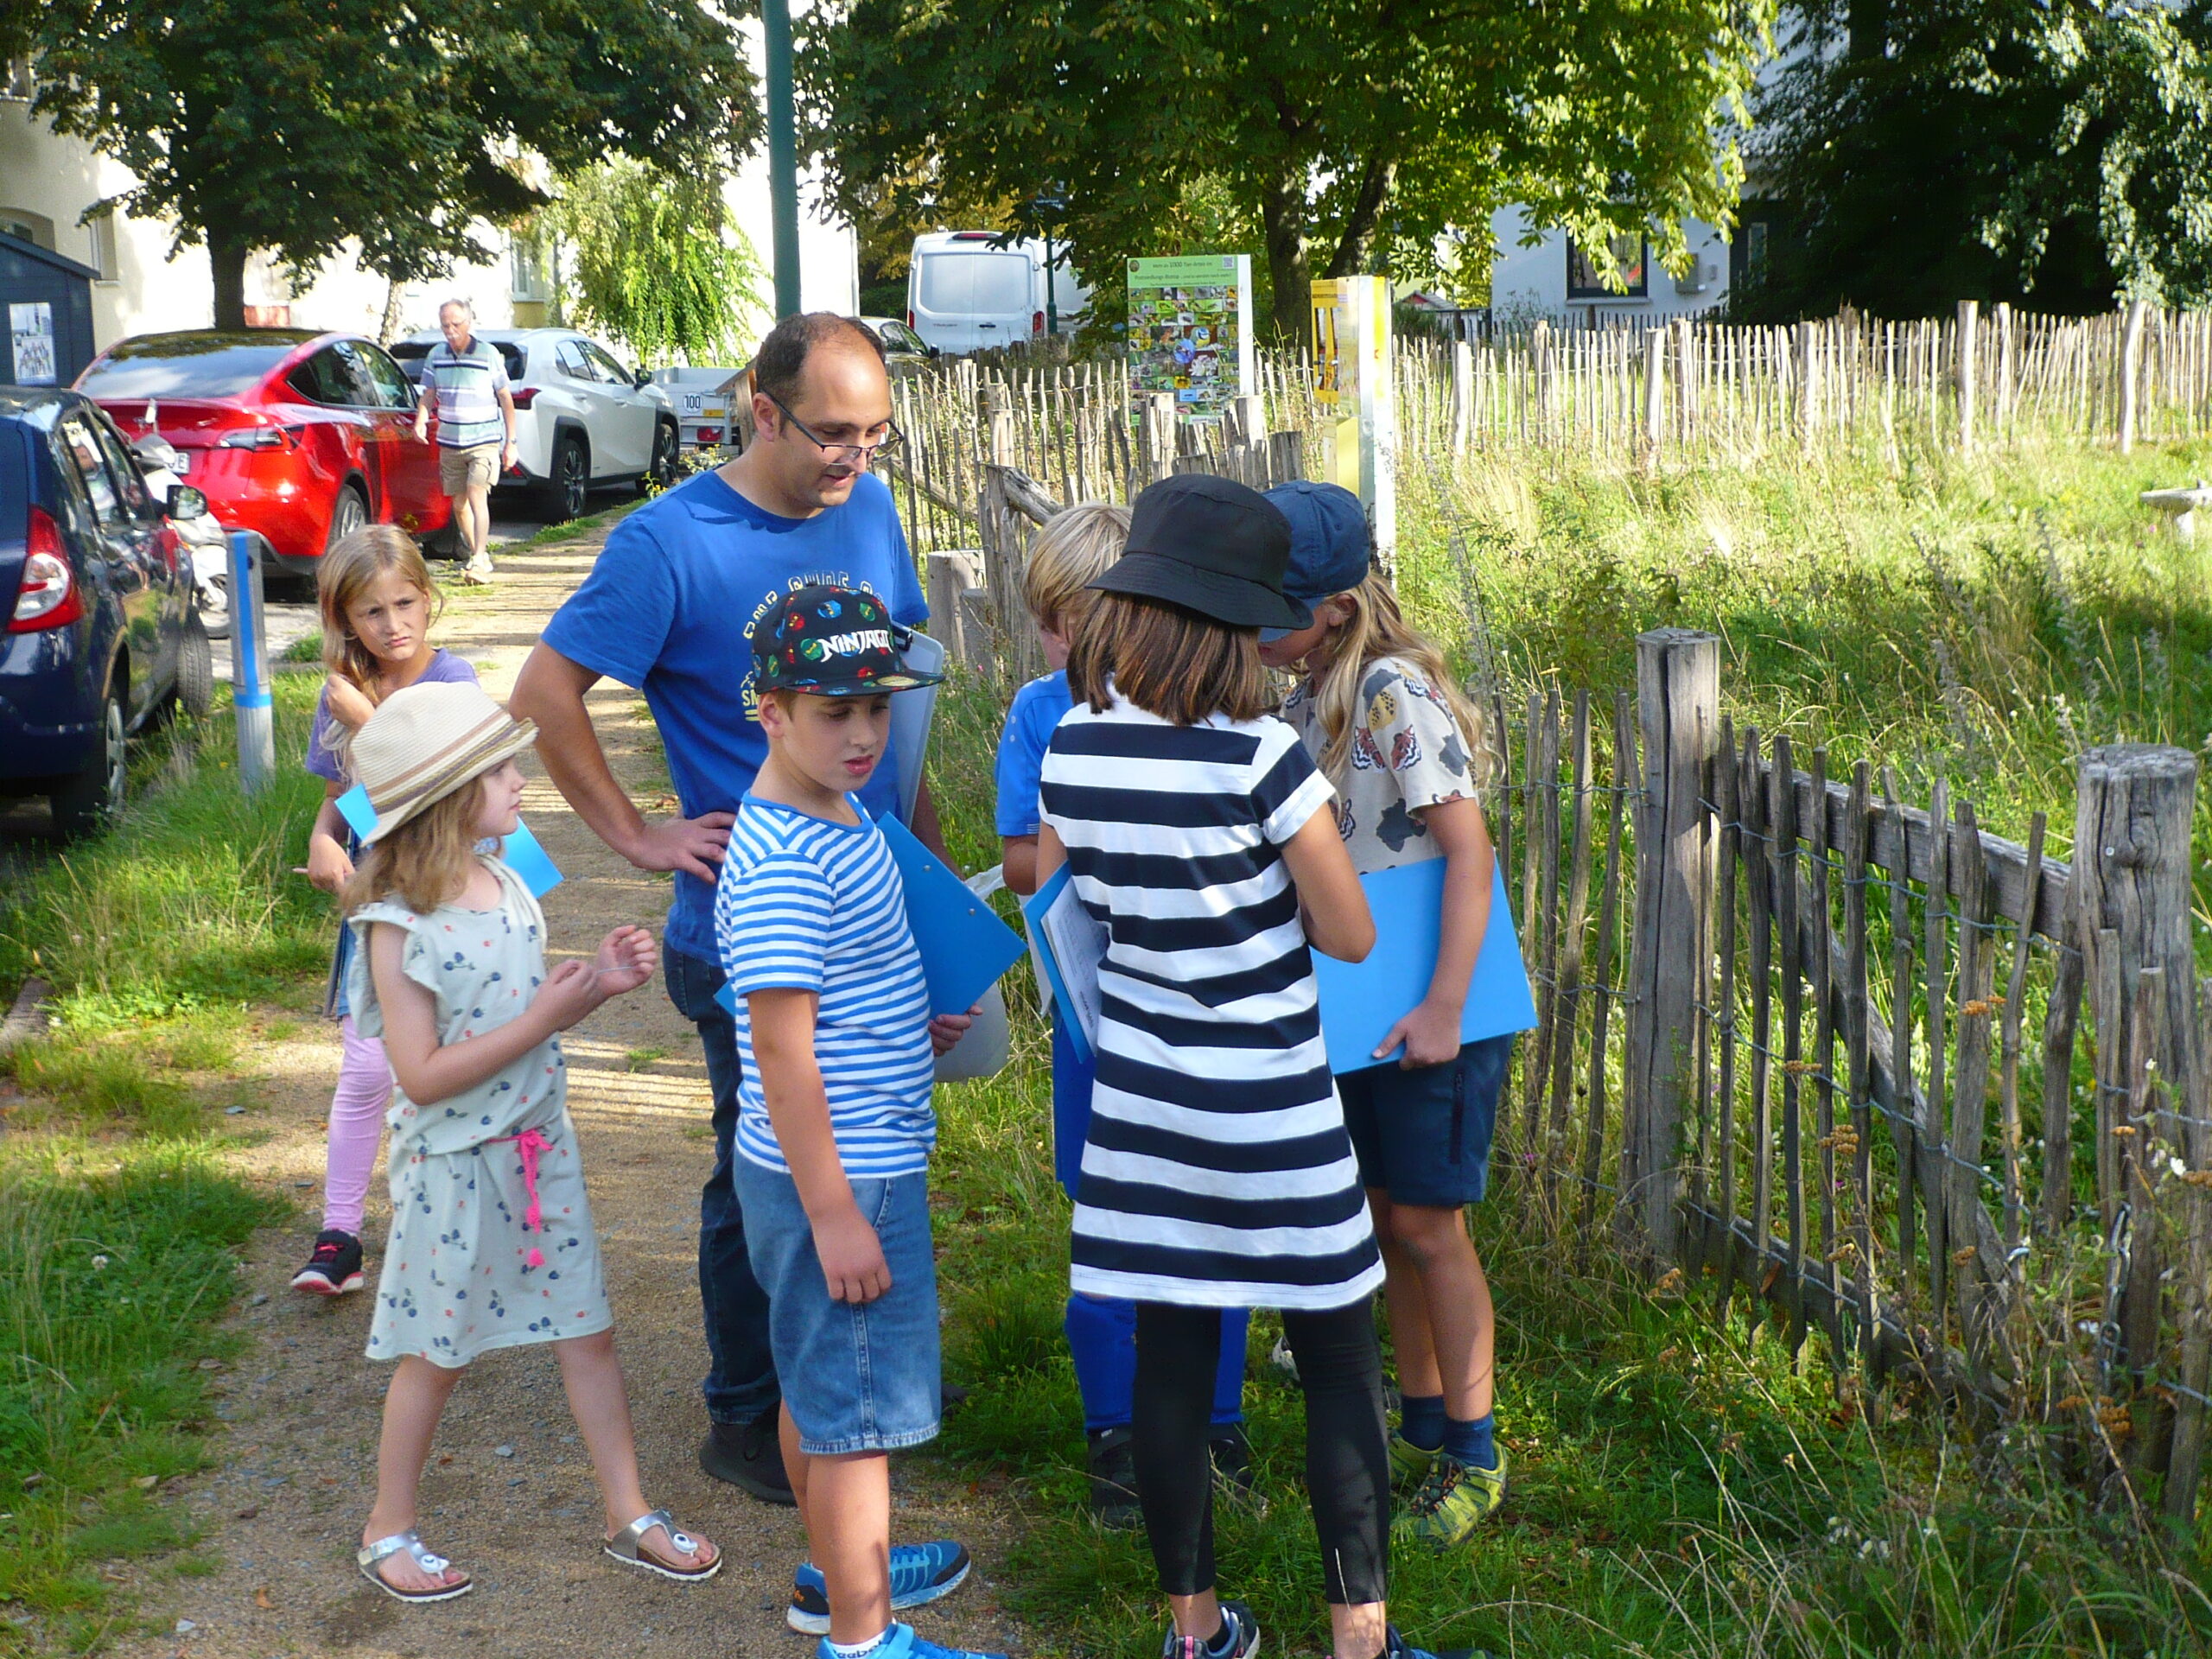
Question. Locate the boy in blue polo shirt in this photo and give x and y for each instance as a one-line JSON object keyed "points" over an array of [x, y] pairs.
{"points": [[833, 1120], [1074, 551]]}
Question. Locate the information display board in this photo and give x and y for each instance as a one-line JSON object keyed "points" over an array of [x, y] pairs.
{"points": [[1190, 331]]}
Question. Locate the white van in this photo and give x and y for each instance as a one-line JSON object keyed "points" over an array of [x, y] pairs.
{"points": [[965, 294]]}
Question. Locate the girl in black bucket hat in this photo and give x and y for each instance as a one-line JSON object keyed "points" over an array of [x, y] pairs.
{"points": [[1216, 1171]]}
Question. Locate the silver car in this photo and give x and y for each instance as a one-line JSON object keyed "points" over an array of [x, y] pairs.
{"points": [[582, 419]]}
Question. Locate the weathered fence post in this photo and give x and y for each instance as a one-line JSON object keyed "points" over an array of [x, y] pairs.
{"points": [[1655, 395], [2131, 895], [1463, 394], [2131, 372], [1678, 705], [1156, 439], [1969, 327]]}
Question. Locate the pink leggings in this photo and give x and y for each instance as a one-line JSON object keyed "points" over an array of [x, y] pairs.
{"points": [[357, 1110]]}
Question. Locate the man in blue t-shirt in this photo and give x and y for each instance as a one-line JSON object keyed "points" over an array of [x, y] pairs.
{"points": [[668, 607]]}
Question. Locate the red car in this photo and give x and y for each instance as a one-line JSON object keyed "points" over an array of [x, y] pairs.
{"points": [[303, 437]]}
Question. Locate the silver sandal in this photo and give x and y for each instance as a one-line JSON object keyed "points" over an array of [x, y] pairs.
{"points": [[410, 1543], [623, 1547]]}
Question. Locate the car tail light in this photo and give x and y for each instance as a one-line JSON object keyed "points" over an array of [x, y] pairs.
{"points": [[524, 396], [255, 437], [1037, 322], [48, 597], [909, 317], [710, 434]]}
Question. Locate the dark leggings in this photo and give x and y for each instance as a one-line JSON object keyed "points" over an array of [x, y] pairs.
{"points": [[1347, 1452]]}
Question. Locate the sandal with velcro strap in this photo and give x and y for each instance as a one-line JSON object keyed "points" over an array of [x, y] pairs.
{"points": [[408, 1543], [625, 1546]]}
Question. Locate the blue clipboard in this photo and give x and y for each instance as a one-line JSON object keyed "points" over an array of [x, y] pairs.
{"points": [[1033, 909], [1360, 1001], [521, 853], [965, 946]]}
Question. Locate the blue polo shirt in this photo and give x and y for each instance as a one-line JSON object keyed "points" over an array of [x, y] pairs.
{"points": [[670, 606]]}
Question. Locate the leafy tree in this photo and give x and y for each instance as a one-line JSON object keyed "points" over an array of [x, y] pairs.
{"points": [[1339, 126], [652, 257], [288, 126], [2050, 153]]}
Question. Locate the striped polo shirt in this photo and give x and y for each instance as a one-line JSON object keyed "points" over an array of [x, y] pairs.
{"points": [[806, 904], [468, 384]]}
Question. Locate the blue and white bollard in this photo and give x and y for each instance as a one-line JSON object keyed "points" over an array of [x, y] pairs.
{"points": [[249, 664]]}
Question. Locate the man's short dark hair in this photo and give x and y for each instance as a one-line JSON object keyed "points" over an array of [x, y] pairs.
{"points": [[781, 359]]}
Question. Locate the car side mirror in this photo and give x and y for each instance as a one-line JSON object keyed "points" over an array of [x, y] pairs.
{"points": [[644, 379], [186, 503], [934, 351]]}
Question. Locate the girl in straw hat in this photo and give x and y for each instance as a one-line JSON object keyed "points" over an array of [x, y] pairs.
{"points": [[492, 1241]]}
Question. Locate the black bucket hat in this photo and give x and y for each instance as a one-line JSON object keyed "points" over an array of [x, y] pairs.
{"points": [[1211, 545]]}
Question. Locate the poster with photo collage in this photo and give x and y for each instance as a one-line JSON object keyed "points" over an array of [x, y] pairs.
{"points": [[1190, 330]]}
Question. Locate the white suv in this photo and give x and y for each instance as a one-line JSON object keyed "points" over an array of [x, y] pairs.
{"points": [[582, 419]]}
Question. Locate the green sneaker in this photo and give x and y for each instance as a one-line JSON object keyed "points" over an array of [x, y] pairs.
{"points": [[1408, 1463], [1454, 1498]]}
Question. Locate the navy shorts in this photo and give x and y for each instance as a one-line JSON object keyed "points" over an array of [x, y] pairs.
{"points": [[856, 1377], [1423, 1135]]}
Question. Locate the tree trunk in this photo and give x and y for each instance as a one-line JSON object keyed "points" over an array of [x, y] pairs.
{"points": [[226, 258], [1282, 221], [1355, 246]]}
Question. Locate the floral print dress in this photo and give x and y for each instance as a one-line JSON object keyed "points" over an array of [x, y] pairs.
{"points": [[465, 1269]]}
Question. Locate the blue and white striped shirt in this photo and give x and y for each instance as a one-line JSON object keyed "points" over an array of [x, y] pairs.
{"points": [[467, 386], [813, 906]]}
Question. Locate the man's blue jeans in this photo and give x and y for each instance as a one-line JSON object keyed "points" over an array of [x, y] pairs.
{"points": [[741, 1382]]}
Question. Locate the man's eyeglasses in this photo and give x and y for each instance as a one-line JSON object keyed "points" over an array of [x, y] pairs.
{"points": [[851, 455]]}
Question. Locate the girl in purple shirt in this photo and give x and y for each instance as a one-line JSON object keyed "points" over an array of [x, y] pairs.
{"points": [[378, 603]]}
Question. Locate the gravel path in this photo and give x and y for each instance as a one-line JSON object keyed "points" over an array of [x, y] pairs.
{"points": [[508, 1494]]}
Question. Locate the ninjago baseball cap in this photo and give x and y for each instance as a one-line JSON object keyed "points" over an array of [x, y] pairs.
{"points": [[833, 642]]}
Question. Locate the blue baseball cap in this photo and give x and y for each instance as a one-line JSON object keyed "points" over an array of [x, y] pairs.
{"points": [[1329, 543]]}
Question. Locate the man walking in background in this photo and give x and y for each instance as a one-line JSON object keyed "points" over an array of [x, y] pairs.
{"points": [[466, 379]]}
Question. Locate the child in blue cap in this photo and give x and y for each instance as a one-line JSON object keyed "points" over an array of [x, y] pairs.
{"points": [[1381, 714]]}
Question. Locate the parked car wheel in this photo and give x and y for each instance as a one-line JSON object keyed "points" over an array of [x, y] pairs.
{"points": [[195, 670], [347, 514], [87, 801], [570, 487], [667, 444]]}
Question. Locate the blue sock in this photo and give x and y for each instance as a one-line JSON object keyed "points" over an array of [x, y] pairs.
{"points": [[1475, 1443], [1420, 1420]]}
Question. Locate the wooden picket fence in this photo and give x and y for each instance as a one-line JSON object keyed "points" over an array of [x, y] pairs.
{"points": [[1929, 1096], [1688, 392]]}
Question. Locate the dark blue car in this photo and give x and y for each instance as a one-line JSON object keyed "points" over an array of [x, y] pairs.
{"points": [[100, 635]]}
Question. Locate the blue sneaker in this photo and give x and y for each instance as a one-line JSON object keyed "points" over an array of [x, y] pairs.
{"points": [[920, 1573], [899, 1641], [1240, 1638]]}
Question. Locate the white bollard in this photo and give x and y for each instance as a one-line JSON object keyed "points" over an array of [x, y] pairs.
{"points": [[250, 662]]}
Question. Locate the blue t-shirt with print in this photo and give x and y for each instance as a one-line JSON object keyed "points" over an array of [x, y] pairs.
{"points": [[668, 607], [1029, 725], [1036, 709]]}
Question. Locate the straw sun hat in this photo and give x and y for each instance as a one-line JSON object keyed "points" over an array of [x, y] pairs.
{"points": [[424, 741]]}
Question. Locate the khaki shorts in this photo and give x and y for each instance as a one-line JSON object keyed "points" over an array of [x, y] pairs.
{"points": [[461, 470]]}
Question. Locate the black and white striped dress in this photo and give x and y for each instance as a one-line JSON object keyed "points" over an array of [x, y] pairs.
{"points": [[1216, 1171]]}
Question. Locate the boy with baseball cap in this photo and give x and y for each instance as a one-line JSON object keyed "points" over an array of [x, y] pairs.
{"points": [[835, 1124]]}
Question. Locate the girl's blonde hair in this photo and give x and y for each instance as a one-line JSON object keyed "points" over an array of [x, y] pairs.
{"points": [[1377, 628], [427, 859], [1077, 547], [346, 572]]}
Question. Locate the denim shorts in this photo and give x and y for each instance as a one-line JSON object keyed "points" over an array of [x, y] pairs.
{"points": [[1423, 1135], [856, 1378]]}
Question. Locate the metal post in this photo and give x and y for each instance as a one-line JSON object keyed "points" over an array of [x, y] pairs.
{"points": [[249, 664], [1052, 307], [783, 153]]}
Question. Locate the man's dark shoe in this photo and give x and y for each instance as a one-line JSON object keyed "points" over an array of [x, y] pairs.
{"points": [[749, 1456], [1114, 1481]]}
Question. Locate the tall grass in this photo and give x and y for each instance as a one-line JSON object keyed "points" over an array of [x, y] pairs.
{"points": [[114, 1264], [1679, 1485]]}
